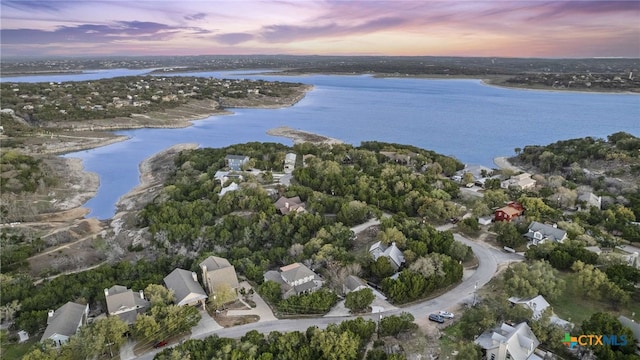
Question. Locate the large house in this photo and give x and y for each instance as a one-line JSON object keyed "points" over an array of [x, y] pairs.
{"points": [[509, 212], [124, 303], [65, 322], [538, 305], [186, 288], [289, 162], [286, 205], [391, 252], [235, 162], [522, 182], [516, 342], [295, 279], [539, 233], [217, 270]]}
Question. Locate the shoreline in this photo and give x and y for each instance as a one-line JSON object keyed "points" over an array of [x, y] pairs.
{"points": [[301, 136]]}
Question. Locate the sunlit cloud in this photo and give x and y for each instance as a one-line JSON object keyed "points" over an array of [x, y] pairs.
{"points": [[573, 28]]}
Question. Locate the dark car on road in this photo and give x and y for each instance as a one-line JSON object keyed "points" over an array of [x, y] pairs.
{"points": [[437, 318]]}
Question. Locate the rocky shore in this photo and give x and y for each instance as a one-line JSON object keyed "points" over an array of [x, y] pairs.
{"points": [[301, 136]]}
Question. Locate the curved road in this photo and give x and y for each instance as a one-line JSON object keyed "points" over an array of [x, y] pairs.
{"points": [[489, 259]]}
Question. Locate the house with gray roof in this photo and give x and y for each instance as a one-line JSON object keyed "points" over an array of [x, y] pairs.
{"points": [[353, 283], [635, 329], [217, 270], [590, 200], [65, 322], [186, 288], [235, 162], [538, 305], [539, 233], [392, 252], [507, 341], [125, 304], [295, 279]]}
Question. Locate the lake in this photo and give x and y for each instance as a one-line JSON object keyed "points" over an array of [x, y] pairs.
{"points": [[466, 119]]}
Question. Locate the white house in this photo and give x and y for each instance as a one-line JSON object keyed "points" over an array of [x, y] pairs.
{"points": [[515, 342], [539, 233], [392, 252]]}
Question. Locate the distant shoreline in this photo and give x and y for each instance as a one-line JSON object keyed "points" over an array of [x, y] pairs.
{"points": [[301, 136]]}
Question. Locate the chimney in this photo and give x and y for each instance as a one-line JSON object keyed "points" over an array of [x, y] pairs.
{"points": [[286, 205], [555, 226], [195, 276], [106, 292], [51, 313], [141, 294]]}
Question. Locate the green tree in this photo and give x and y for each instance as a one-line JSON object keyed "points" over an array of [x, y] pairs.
{"points": [[333, 346], [158, 294], [467, 350], [222, 294], [382, 268], [607, 324], [507, 234], [270, 291], [146, 328], [394, 325], [104, 336], [358, 301]]}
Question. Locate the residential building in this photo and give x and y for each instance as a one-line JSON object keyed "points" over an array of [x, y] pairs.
{"points": [[522, 182], [538, 305], [509, 212], [353, 283], [509, 342], [635, 328], [392, 252], [124, 303], [217, 270], [186, 288], [235, 162], [65, 322], [590, 200], [539, 233], [289, 162], [295, 279], [286, 205]]}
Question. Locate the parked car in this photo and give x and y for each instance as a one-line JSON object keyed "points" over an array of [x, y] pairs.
{"points": [[445, 314], [160, 344], [437, 318]]}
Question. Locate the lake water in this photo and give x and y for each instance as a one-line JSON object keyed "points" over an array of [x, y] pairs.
{"points": [[462, 118]]}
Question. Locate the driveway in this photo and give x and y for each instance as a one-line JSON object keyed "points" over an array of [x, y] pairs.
{"points": [[262, 309], [205, 326]]}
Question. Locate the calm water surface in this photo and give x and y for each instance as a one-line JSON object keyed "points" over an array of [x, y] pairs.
{"points": [[462, 118]]}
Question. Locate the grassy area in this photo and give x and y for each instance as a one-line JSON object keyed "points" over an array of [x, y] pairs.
{"points": [[16, 351], [574, 307], [449, 340]]}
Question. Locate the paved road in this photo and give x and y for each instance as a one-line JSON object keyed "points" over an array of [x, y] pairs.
{"points": [[489, 259]]}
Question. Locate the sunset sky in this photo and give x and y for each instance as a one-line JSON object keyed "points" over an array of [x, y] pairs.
{"points": [[304, 27]]}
